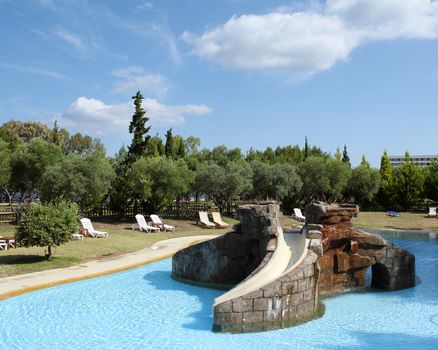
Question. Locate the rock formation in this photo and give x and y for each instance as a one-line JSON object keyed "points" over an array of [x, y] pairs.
{"points": [[277, 277]]}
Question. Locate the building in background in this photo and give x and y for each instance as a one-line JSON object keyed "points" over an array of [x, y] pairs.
{"points": [[422, 161]]}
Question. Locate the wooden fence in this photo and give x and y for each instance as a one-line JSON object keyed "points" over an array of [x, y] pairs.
{"points": [[181, 210]]}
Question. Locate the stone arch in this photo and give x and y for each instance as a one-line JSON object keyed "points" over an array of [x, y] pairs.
{"points": [[381, 278]]}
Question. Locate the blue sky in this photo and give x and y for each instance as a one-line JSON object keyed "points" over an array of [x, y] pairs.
{"points": [[237, 72]]}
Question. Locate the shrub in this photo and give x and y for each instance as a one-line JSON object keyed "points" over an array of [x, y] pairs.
{"points": [[47, 225]]}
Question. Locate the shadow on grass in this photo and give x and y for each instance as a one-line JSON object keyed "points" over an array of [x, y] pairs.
{"points": [[34, 259], [201, 319]]}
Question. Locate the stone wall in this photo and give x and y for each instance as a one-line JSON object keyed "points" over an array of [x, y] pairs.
{"points": [[230, 259], [287, 301], [348, 253], [334, 259]]}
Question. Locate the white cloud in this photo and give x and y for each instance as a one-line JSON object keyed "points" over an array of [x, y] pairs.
{"points": [[146, 5], [34, 70], [135, 78], [313, 40], [73, 40], [94, 116]]}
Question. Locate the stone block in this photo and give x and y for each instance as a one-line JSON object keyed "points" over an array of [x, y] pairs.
{"points": [[289, 287], [225, 307], [296, 299], [252, 317], [273, 315], [241, 305], [314, 234], [316, 246], [271, 290], [261, 304], [254, 295], [308, 294]]}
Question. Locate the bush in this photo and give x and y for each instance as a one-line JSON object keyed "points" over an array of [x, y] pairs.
{"points": [[47, 225]]}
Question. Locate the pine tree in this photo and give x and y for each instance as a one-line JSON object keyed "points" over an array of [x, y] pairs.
{"points": [[168, 148], [138, 128], [345, 157]]}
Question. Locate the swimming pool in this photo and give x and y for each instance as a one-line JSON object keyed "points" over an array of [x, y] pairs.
{"points": [[144, 308]]}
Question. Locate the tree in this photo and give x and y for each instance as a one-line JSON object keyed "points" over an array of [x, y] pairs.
{"points": [[323, 179], [16, 132], [224, 184], [385, 194], [5, 167], [155, 147], [138, 128], [47, 226], [276, 181], [408, 183], [83, 179], [181, 152], [80, 144], [363, 184], [338, 155], [345, 157], [158, 181], [432, 180], [192, 144], [28, 164], [169, 146], [306, 148]]}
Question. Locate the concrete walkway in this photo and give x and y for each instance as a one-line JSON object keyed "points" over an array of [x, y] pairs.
{"points": [[20, 284]]}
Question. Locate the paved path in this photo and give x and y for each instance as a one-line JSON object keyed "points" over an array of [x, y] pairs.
{"points": [[20, 284]]}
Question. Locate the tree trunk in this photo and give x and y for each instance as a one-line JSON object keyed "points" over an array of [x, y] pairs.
{"points": [[49, 253]]}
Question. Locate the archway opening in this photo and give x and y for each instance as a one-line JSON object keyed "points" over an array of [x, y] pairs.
{"points": [[380, 276]]}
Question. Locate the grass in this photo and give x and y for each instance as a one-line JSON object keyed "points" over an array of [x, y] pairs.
{"points": [[121, 240], [406, 221]]}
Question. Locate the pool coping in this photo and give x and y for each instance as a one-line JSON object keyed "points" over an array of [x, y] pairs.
{"points": [[20, 284]]}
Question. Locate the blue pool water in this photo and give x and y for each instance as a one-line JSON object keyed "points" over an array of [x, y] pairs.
{"points": [[144, 308]]}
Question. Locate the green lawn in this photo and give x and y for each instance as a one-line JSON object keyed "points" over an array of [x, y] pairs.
{"points": [[121, 240], [406, 221]]}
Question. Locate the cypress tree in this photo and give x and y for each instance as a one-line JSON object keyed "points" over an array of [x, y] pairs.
{"points": [[168, 148], [138, 128], [345, 157], [182, 149], [306, 148], [386, 184]]}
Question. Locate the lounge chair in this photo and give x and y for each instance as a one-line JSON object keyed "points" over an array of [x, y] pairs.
{"points": [[205, 221], [158, 223], [432, 213], [143, 225], [86, 223], [298, 215], [77, 236], [218, 220], [3, 245]]}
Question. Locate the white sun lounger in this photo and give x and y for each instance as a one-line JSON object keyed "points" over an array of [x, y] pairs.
{"points": [[299, 215], [205, 221], [143, 225], [158, 223], [86, 223], [217, 219], [432, 213]]}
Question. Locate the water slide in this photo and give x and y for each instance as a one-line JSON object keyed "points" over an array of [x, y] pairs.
{"points": [[290, 252]]}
